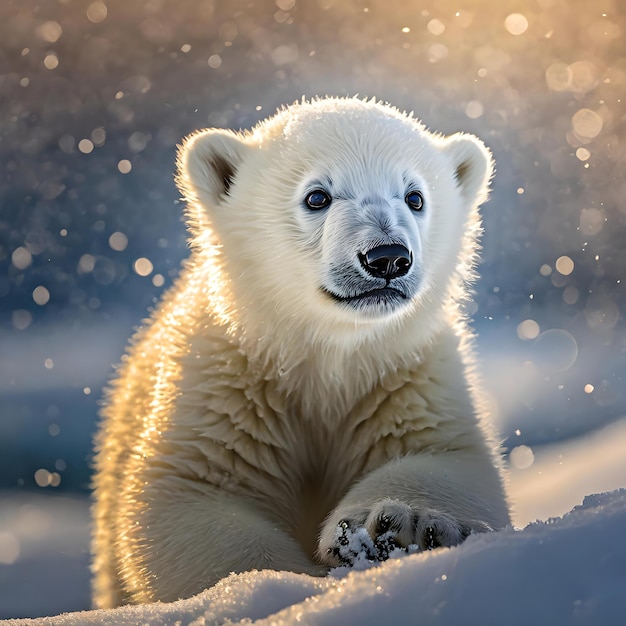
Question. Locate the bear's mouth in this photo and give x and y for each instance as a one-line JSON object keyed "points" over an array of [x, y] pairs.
{"points": [[383, 295]]}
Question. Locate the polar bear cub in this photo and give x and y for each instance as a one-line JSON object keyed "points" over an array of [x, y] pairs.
{"points": [[308, 378]]}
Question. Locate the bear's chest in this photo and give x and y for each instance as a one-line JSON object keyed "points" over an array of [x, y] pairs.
{"points": [[318, 470]]}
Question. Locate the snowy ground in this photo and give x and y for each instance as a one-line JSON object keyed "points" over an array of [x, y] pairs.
{"points": [[568, 570], [565, 571]]}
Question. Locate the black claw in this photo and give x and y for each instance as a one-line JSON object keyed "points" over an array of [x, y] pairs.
{"points": [[383, 524], [430, 539], [343, 538]]}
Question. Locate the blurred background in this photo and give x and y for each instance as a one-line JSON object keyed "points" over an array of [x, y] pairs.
{"points": [[94, 97]]}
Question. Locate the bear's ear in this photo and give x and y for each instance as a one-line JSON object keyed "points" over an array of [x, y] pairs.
{"points": [[473, 166], [207, 164]]}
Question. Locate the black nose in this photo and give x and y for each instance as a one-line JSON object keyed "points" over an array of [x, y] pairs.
{"points": [[387, 262]]}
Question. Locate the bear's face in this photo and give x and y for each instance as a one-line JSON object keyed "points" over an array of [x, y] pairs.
{"points": [[364, 218], [341, 209]]}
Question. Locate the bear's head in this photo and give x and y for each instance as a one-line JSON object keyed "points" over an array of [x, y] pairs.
{"points": [[342, 210]]}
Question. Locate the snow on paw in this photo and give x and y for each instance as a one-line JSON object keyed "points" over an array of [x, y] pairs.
{"points": [[351, 545]]}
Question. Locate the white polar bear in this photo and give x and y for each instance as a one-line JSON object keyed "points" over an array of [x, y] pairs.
{"points": [[309, 375]]}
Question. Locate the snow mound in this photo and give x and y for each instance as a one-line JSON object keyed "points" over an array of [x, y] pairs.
{"points": [[567, 570]]}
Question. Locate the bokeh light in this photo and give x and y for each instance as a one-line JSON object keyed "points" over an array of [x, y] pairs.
{"points": [[516, 24], [522, 457], [50, 31], [85, 146], [528, 329], [41, 295], [564, 265], [143, 266], [555, 350], [436, 27], [97, 12], [124, 166], [215, 61], [51, 61], [118, 241]]}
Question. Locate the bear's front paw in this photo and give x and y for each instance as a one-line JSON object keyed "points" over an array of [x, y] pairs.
{"points": [[373, 534], [353, 544]]}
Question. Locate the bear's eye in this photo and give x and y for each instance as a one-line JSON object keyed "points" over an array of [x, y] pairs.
{"points": [[317, 199], [414, 200]]}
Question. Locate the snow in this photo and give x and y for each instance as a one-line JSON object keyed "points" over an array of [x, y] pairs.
{"points": [[566, 570]]}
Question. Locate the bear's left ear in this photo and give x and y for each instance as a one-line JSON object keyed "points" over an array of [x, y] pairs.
{"points": [[473, 166], [207, 164]]}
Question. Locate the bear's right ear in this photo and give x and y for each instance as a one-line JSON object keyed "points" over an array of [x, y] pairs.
{"points": [[207, 165]]}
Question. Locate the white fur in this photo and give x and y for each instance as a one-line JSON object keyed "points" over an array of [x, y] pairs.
{"points": [[252, 406]]}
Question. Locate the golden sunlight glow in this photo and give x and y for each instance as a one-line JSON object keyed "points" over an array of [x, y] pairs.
{"points": [[180, 313], [164, 389]]}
